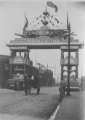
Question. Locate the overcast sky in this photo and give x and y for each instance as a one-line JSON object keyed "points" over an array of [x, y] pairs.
{"points": [[12, 21]]}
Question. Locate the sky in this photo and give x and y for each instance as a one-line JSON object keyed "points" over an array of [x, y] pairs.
{"points": [[12, 20]]}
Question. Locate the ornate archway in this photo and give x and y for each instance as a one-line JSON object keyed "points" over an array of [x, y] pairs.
{"points": [[46, 36]]}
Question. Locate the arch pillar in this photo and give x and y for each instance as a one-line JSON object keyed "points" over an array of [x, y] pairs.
{"points": [[75, 61]]}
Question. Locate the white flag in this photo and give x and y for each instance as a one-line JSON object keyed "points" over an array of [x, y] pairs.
{"points": [[52, 5]]}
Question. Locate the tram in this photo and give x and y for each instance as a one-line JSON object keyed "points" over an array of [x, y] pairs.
{"points": [[16, 74], [18, 68]]}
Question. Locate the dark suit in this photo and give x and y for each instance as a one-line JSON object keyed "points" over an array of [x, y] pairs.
{"points": [[25, 84]]}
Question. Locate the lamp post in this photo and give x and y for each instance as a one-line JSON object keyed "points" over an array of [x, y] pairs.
{"points": [[68, 78]]}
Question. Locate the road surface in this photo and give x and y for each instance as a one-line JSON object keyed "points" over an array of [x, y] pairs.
{"points": [[17, 106]]}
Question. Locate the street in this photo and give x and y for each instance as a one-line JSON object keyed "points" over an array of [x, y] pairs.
{"points": [[16, 106]]}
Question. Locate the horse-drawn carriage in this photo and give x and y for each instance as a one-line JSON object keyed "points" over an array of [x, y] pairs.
{"points": [[31, 80]]}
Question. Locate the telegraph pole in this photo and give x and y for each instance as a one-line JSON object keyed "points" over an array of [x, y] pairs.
{"points": [[68, 78]]}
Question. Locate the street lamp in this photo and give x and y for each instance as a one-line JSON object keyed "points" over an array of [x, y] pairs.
{"points": [[68, 78]]}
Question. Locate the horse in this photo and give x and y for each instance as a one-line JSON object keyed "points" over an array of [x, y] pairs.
{"points": [[33, 82]]}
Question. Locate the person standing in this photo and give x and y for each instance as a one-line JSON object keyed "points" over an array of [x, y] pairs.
{"points": [[25, 83], [62, 89]]}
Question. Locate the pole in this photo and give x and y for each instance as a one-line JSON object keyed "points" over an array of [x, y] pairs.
{"points": [[24, 63], [68, 78]]}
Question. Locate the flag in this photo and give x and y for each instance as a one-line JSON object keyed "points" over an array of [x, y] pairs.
{"points": [[52, 5], [26, 24], [57, 20], [68, 23]]}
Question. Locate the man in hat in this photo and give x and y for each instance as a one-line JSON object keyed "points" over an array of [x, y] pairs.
{"points": [[25, 83]]}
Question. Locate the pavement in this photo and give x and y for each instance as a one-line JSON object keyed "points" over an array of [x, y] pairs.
{"points": [[72, 107]]}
